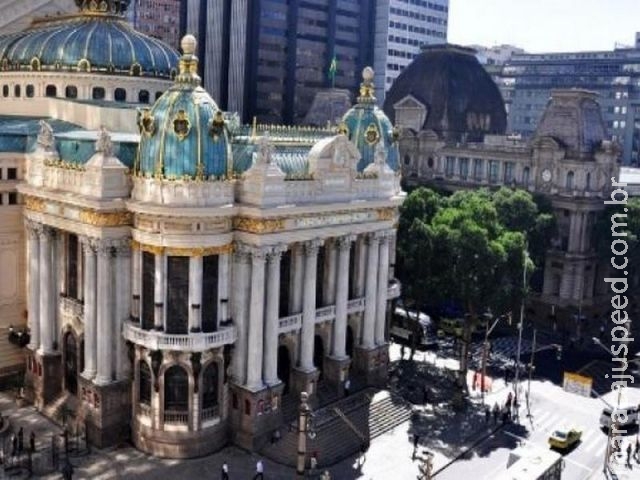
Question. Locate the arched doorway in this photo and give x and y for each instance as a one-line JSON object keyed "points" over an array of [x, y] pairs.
{"points": [[176, 395], [349, 346], [284, 367], [210, 391], [318, 354], [70, 363]]}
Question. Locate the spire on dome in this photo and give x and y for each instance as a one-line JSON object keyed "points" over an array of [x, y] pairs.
{"points": [[112, 7], [367, 89], [188, 62]]}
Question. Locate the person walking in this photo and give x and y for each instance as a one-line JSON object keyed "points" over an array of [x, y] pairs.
{"points": [[259, 471], [487, 414], [347, 387], [496, 412], [402, 352], [224, 475], [637, 450], [32, 442], [14, 445], [416, 441], [629, 451]]}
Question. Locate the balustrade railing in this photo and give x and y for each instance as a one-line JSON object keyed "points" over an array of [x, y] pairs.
{"points": [[197, 342], [209, 413], [176, 416]]}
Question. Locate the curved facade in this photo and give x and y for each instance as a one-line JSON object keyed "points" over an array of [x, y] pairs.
{"points": [[446, 90]]}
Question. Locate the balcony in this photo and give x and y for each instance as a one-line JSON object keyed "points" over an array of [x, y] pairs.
{"points": [[290, 323], [356, 305], [325, 314], [71, 307], [193, 342], [293, 323]]}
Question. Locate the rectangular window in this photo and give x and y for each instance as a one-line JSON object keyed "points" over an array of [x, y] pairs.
{"points": [[450, 166], [13, 198], [12, 173], [478, 166], [508, 172], [72, 266], [464, 168], [177, 320], [210, 293], [148, 289], [493, 171]]}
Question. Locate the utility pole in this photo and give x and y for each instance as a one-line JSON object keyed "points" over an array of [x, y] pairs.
{"points": [[531, 367], [520, 325]]}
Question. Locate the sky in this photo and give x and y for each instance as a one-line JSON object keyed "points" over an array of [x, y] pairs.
{"points": [[544, 25]]}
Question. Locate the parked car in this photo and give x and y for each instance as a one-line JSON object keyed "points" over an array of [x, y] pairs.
{"points": [[564, 439]]}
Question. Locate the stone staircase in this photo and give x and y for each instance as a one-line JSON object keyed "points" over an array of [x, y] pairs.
{"points": [[342, 427], [63, 407], [12, 358]]}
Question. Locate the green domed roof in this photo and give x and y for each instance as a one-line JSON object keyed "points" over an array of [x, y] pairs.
{"points": [[366, 125], [98, 39], [184, 134]]}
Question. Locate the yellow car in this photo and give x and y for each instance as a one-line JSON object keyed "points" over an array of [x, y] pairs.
{"points": [[564, 439], [451, 326]]}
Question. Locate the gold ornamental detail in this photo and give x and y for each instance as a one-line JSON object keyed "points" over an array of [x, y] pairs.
{"points": [[387, 213], [106, 219], [258, 225], [182, 251], [34, 204]]}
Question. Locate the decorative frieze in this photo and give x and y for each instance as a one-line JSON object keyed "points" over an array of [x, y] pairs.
{"points": [[259, 225], [183, 251]]}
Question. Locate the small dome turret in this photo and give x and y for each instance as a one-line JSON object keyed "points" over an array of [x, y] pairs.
{"points": [[366, 126], [184, 134]]}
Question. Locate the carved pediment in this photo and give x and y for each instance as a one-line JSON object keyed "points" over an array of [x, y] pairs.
{"points": [[333, 155], [410, 113]]}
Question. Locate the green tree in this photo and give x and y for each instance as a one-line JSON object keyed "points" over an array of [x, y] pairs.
{"points": [[470, 248]]}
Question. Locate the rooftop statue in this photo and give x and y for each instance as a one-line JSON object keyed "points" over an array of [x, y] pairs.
{"points": [[104, 144], [45, 138]]}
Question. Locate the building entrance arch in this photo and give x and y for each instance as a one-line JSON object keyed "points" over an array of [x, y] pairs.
{"points": [[70, 364], [284, 367]]}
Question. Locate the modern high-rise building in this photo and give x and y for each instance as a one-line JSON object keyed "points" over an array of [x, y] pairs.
{"points": [[157, 18], [402, 27], [614, 75], [268, 58]]}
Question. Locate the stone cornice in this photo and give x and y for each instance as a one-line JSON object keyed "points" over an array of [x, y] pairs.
{"points": [[183, 251]]}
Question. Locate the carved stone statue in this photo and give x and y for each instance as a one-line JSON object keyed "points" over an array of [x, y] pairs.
{"points": [[45, 137], [265, 149], [104, 144], [380, 154]]}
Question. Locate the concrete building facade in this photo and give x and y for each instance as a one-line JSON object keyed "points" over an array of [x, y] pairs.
{"points": [[157, 18]]}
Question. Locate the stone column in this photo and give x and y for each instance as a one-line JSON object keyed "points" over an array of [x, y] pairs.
{"points": [[136, 283], [574, 230], [105, 313], [122, 284], [47, 289], [392, 254], [309, 305], [159, 289], [331, 257], [81, 269], [241, 293], [33, 230], [61, 253], [223, 287], [271, 321], [256, 319], [338, 349], [195, 294], [297, 274], [361, 266], [90, 280], [383, 288], [368, 332]]}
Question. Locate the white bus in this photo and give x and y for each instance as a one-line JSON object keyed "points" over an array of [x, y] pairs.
{"points": [[532, 463]]}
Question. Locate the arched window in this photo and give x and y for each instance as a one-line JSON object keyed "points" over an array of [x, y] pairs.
{"points": [[143, 96], [569, 183], [407, 159], [136, 70], [17, 91], [210, 387], [50, 91], [144, 383], [71, 92], [5, 90], [588, 181], [525, 176], [98, 93], [158, 95], [176, 395], [30, 91], [120, 95]]}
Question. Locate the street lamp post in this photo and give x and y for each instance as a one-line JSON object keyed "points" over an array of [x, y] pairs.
{"points": [[531, 367], [303, 420], [520, 325]]}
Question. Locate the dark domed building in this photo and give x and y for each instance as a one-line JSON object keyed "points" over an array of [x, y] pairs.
{"points": [[445, 89]]}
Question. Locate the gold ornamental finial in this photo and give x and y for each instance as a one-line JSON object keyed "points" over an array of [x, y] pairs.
{"points": [[367, 89], [188, 66]]}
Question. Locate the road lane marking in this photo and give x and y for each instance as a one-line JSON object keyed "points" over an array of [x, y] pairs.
{"points": [[573, 462]]}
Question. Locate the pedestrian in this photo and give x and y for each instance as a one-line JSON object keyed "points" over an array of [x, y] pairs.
{"points": [[509, 398], [259, 471], [347, 387], [225, 471], [496, 412], [402, 352], [20, 441], [487, 414], [14, 445], [32, 442], [505, 416], [629, 450], [313, 463], [425, 395], [416, 441], [637, 450]]}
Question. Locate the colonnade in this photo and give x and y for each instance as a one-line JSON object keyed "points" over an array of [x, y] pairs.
{"points": [[256, 292]]}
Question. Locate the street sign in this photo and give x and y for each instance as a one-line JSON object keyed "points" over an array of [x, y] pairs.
{"points": [[578, 384]]}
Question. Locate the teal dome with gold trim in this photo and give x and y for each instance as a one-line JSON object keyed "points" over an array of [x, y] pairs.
{"points": [[366, 125], [96, 39], [184, 134]]}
